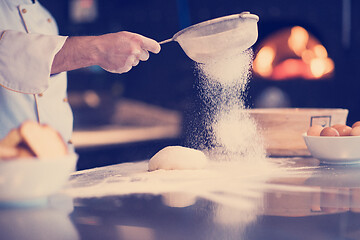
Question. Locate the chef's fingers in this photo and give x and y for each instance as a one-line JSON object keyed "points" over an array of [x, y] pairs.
{"points": [[132, 61], [150, 45], [125, 68], [144, 55], [138, 54], [135, 62]]}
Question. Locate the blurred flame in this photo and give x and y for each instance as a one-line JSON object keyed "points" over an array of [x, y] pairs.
{"points": [[320, 51], [307, 55], [290, 68], [330, 66], [278, 63], [298, 40], [321, 66], [264, 60], [317, 67]]}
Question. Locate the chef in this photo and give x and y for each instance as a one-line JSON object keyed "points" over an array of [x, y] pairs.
{"points": [[34, 60]]}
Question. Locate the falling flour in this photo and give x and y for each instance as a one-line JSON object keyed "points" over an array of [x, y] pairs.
{"points": [[230, 132]]}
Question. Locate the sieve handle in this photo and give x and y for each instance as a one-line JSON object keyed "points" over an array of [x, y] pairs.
{"points": [[166, 41]]}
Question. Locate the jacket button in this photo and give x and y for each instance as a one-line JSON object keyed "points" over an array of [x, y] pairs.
{"points": [[65, 99], [49, 20], [40, 94], [24, 10]]}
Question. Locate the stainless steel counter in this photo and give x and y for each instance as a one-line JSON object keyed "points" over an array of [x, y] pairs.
{"points": [[287, 198]]}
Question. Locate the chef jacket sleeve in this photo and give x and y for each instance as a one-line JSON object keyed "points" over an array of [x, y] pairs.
{"points": [[26, 60]]}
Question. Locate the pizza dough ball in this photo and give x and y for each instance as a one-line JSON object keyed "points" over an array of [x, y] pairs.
{"points": [[178, 158]]}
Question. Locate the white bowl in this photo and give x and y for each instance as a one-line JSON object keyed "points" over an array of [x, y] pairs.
{"points": [[334, 150], [32, 178]]}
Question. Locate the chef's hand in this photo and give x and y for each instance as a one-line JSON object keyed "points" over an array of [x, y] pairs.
{"points": [[114, 52], [119, 52]]}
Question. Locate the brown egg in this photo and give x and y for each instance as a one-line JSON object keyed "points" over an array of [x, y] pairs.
{"points": [[355, 131], [315, 130], [342, 129], [329, 131], [336, 126], [356, 124]]}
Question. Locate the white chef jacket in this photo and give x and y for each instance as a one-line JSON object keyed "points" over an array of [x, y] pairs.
{"points": [[28, 43]]}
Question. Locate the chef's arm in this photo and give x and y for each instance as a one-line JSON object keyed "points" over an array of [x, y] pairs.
{"points": [[28, 59], [114, 52]]}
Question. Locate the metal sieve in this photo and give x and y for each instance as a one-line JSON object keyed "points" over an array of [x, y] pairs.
{"points": [[217, 37]]}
